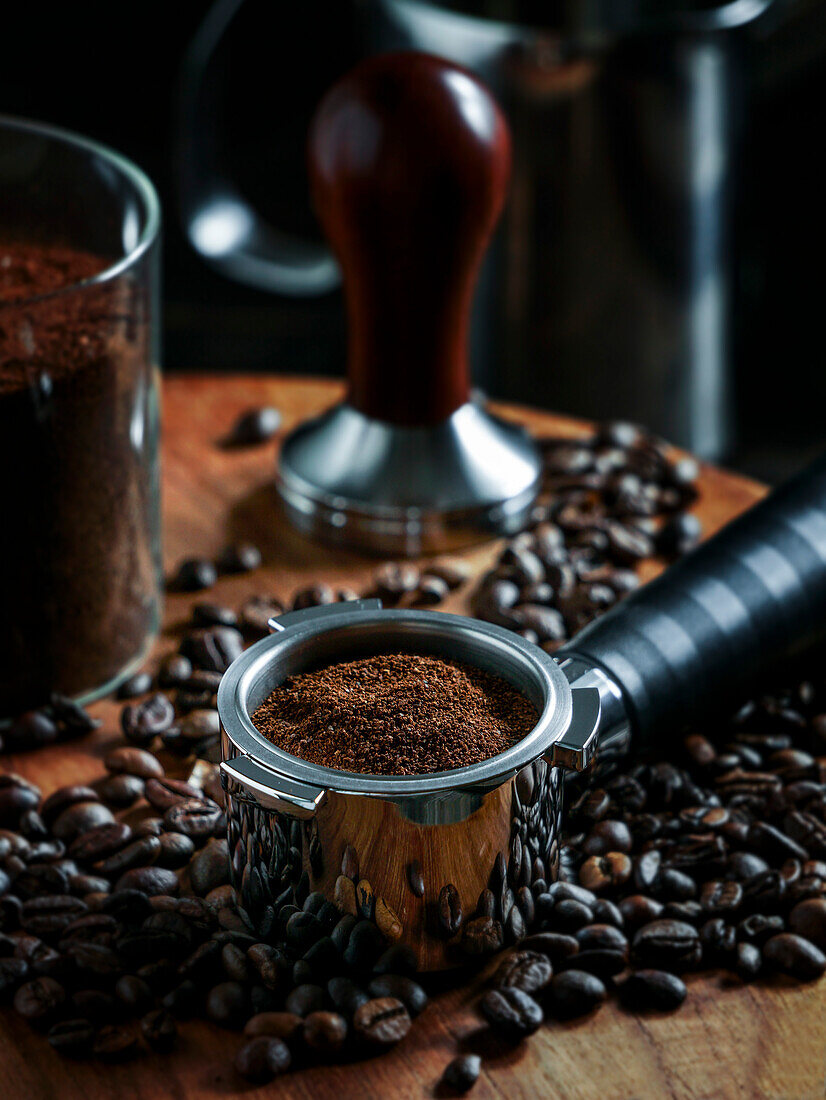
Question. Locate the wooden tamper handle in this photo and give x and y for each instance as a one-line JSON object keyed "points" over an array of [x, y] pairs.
{"points": [[409, 161]]}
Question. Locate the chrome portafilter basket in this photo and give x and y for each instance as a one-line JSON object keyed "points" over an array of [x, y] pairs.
{"points": [[416, 838], [409, 858]]}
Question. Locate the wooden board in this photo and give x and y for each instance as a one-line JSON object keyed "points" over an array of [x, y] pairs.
{"points": [[729, 1041]]}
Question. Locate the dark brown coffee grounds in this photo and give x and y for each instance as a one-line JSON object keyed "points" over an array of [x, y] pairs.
{"points": [[78, 435], [395, 714]]}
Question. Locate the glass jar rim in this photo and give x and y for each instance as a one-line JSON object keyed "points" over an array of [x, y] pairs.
{"points": [[142, 184]]}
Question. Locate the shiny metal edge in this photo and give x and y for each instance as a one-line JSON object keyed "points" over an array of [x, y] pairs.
{"points": [[393, 488], [524, 665]]}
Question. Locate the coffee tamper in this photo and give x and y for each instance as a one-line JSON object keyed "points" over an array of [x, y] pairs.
{"points": [[409, 159]]}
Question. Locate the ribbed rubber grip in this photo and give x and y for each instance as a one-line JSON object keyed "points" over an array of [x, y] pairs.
{"points": [[725, 620]]}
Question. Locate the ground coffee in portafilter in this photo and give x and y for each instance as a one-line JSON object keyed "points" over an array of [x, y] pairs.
{"points": [[395, 714], [80, 580]]}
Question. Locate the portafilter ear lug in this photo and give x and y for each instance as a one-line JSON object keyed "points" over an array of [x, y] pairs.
{"points": [[326, 611], [244, 779], [578, 745]]}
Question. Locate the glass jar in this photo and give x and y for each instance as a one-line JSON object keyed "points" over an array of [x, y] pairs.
{"points": [[80, 568]]}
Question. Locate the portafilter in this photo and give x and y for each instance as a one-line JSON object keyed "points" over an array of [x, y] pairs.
{"points": [[408, 856]]}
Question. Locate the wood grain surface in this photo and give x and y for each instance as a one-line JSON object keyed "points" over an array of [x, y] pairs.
{"points": [[729, 1042]]}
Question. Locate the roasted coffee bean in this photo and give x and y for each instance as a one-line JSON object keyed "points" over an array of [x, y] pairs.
{"points": [[652, 989], [637, 910], [143, 722], [363, 946], [721, 897], [262, 1058], [256, 614], [234, 962], [381, 1022], [415, 879], [529, 971], [606, 872], [176, 850], [392, 580], [482, 935], [193, 575], [365, 899], [74, 718], [387, 920], [79, 818], [149, 880], [763, 892], [207, 613], [607, 836], [278, 1025], [667, 944], [315, 595], [511, 1012], [241, 557], [12, 973], [227, 1004], [38, 1000], [72, 1038], [673, 885], [450, 910], [50, 913], [120, 791], [569, 915], [254, 426], [165, 792], [174, 670], [324, 1033], [462, 1073], [808, 919], [115, 1043], [453, 571], [159, 1030], [574, 993], [133, 761], [397, 959], [305, 999], [606, 912], [554, 946], [139, 853], [758, 928], [31, 730], [214, 648], [745, 865], [402, 988], [182, 1000], [100, 842], [794, 955], [133, 992], [63, 798], [601, 937], [136, 685], [776, 846], [194, 818], [679, 534], [747, 961]]}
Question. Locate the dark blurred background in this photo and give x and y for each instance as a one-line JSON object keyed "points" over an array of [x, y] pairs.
{"points": [[661, 256]]}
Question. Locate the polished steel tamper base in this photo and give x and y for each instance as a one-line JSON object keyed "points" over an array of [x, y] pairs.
{"points": [[392, 489]]}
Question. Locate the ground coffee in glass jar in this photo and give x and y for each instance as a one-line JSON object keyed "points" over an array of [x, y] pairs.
{"points": [[80, 584], [395, 714]]}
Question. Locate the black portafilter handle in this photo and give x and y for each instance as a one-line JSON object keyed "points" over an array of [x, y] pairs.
{"points": [[726, 620]]}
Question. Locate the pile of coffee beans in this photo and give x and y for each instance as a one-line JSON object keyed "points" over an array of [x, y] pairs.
{"points": [[609, 502], [716, 859], [118, 920]]}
